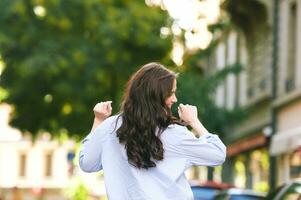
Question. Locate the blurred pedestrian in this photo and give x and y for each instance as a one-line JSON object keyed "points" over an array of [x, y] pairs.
{"points": [[144, 150]]}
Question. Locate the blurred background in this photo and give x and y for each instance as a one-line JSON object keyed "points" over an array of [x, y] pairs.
{"points": [[239, 62]]}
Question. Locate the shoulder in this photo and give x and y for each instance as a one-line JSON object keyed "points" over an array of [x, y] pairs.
{"points": [[176, 128], [110, 123], [178, 131], [113, 119]]}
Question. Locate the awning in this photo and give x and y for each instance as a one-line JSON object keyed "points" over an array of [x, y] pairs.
{"points": [[246, 145], [285, 141]]}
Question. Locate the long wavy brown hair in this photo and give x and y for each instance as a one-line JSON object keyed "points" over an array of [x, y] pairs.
{"points": [[145, 115]]}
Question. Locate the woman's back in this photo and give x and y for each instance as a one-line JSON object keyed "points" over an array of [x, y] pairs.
{"points": [[165, 181]]}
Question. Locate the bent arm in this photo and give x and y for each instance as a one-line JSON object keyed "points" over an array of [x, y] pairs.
{"points": [[90, 156], [91, 153], [207, 150]]}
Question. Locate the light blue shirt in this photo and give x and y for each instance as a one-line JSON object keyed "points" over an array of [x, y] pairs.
{"points": [[102, 150]]}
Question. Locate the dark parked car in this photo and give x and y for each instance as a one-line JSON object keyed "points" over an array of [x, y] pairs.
{"points": [[288, 191], [208, 190], [239, 194]]}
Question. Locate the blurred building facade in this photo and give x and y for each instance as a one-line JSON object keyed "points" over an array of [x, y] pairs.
{"points": [[250, 143], [247, 163], [40, 169], [286, 143]]}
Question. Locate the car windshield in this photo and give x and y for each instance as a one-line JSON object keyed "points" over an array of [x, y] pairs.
{"points": [[203, 193]]}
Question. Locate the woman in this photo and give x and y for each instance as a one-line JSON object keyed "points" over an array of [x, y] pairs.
{"points": [[144, 151]]}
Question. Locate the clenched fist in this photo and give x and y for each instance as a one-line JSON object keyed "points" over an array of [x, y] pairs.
{"points": [[102, 110], [188, 113]]}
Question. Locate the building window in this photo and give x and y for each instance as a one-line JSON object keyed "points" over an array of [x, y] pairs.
{"points": [[22, 165], [263, 85], [295, 164], [292, 48], [220, 65], [251, 92], [48, 164]]}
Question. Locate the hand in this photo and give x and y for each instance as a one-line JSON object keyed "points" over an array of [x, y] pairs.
{"points": [[188, 113], [102, 110]]}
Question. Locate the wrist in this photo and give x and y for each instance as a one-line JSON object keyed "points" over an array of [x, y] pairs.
{"points": [[194, 123], [198, 128], [98, 120]]}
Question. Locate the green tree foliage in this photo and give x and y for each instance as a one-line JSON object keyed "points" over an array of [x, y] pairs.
{"points": [[80, 193], [77, 191], [62, 56]]}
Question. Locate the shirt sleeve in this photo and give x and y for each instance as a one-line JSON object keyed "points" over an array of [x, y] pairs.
{"points": [[207, 150], [91, 152]]}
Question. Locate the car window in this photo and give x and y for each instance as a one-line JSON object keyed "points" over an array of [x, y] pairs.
{"points": [[203, 193], [292, 196], [244, 197], [293, 192]]}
